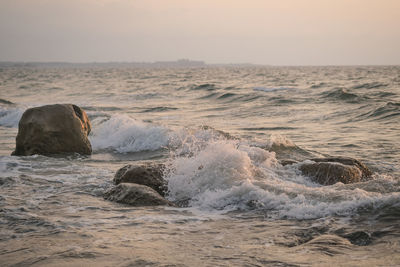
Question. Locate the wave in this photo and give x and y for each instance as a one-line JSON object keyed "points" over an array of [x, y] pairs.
{"points": [[268, 128], [158, 109], [284, 148], [272, 89], [341, 94], [10, 115], [384, 94], [281, 100], [121, 133], [228, 175], [231, 97], [212, 95], [204, 87], [227, 95], [370, 85], [387, 112], [319, 85]]}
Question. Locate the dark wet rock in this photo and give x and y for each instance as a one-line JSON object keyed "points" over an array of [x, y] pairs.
{"points": [[150, 175], [347, 161], [136, 195], [6, 102], [328, 171], [359, 238], [285, 162], [53, 129]]}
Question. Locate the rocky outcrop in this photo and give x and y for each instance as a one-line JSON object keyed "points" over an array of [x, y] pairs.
{"points": [[136, 195], [365, 172], [328, 171], [150, 175], [53, 129]]}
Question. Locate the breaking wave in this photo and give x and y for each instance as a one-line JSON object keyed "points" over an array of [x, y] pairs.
{"points": [[10, 115], [123, 134], [229, 175]]}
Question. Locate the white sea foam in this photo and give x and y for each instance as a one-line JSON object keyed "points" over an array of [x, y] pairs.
{"points": [[10, 115], [227, 175], [279, 140], [273, 141], [123, 134]]}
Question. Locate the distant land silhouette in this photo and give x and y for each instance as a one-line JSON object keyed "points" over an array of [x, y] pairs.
{"points": [[181, 63]]}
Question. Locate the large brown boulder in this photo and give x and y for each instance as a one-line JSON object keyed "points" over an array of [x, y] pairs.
{"points": [[136, 195], [150, 175], [328, 171], [53, 129]]}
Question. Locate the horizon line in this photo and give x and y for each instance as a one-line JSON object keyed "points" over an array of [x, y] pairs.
{"points": [[198, 63]]}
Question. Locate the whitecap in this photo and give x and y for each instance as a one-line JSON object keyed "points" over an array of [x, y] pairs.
{"points": [[229, 175], [10, 115], [123, 134]]}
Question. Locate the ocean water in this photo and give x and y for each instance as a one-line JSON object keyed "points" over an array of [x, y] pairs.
{"points": [[222, 132]]}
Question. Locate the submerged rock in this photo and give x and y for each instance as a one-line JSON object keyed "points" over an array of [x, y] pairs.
{"points": [[328, 171], [359, 238], [150, 175], [53, 129], [136, 195]]}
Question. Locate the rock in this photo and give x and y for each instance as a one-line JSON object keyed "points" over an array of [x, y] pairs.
{"points": [[136, 195], [53, 129], [328, 171], [285, 162], [6, 102], [150, 175], [347, 161], [359, 238]]}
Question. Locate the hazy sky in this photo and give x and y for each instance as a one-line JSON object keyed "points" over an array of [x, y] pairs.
{"points": [[277, 32]]}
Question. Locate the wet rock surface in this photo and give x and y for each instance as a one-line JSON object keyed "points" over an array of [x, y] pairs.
{"points": [[150, 175], [53, 129], [365, 172], [136, 195], [328, 171], [359, 238]]}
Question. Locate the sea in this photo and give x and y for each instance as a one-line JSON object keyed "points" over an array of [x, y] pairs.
{"points": [[222, 132]]}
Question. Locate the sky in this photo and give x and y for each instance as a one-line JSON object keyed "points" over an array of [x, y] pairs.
{"points": [[272, 32]]}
